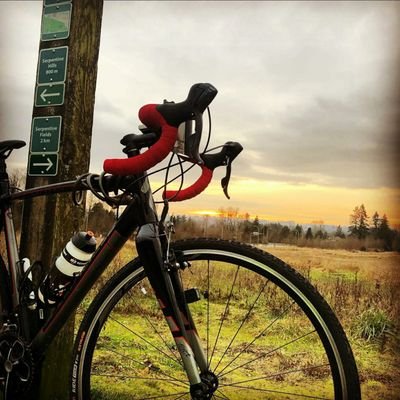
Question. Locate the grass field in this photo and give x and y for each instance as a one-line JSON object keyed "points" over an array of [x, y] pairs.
{"points": [[362, 288]]}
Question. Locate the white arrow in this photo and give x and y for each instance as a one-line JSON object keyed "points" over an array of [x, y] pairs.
{"points": [[43, 95], [49, 164]]}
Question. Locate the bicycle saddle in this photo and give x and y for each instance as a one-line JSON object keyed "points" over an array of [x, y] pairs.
{"points": [[7, 146]]}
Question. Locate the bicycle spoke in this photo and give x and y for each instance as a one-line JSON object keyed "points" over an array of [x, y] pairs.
{"points": [[142, 364], [269, 353], [215, 396], [145, 340], [257, 337], [164, 396], [225, 314], [179, 397], [144, 378], [223, 395], [241, 324], [261, 331], [278, 392], [275, 375], [156, 331]]}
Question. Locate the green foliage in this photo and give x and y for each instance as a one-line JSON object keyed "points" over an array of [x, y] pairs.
{"points": [[372, 324]]}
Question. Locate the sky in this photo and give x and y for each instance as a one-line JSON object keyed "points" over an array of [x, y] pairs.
{"points": [[310, 89]]}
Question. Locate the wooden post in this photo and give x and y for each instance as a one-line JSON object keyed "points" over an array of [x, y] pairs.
{"points": [[48, 223]]}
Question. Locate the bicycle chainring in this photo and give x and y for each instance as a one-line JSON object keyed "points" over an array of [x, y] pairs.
{"points": [[16, 365]]}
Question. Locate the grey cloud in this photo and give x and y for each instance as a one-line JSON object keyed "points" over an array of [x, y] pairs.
{"points": [[352, 143], [309, 88]]}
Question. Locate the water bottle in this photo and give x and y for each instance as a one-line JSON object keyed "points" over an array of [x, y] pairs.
{"points": [[74, 257]]}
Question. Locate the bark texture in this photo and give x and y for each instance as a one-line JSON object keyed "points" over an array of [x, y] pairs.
{"points": [[49, 223]]}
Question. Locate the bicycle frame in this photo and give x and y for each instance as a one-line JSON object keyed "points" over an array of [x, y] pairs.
{"points": [[152, 248]]}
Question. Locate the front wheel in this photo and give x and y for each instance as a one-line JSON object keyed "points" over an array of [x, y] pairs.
{"points": [[266, 333]]}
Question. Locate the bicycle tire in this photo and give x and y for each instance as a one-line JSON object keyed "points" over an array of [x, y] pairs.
{"points": [[316, 363]]}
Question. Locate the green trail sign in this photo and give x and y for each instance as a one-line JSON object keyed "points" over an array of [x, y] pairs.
{"points": [[52, 65], [43, 164], [49, 95], [56, 22], [53, 2], [46, 134]]}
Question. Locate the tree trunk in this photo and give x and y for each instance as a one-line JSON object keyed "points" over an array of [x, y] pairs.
{"points": [[49, 223]]}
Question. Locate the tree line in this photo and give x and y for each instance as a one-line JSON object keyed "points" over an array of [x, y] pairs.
{"points": [[379, 229], [233, 225]]}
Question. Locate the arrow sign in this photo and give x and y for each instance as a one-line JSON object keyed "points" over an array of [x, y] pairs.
{"points": [[47, 164], [44, 95], [51, 2], [50, 95], [43, 164]]}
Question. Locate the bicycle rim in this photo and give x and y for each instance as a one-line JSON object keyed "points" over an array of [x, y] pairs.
{"points": [[266, 333]]}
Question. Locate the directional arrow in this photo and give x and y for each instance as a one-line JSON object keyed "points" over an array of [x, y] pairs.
{"points": [[42, 164], [44, 94], [49, 95], [49, 164]]}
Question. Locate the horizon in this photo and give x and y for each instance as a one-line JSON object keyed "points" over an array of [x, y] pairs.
{"points": [[216, 214]]}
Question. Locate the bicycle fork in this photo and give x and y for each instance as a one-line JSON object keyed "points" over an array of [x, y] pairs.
{"points": [[166, 283]]}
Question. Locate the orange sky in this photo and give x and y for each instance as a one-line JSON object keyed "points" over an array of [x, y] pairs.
{"points": [[298, 203]]}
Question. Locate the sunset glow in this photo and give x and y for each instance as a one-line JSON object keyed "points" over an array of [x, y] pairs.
{"points": [[210, 213], [298, 203]]}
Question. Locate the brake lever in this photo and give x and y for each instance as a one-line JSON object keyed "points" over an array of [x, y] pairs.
{"points": [[228, 153], [225, 180]]}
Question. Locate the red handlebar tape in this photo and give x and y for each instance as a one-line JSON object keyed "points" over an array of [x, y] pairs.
{"points": [[193, 190], [150, 116]]}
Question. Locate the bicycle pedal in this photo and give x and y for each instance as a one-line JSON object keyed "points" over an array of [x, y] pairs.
{"points": [[192, 295]]}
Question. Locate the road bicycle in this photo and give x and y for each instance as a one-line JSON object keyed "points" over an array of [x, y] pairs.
{"points": [[192, 319]]}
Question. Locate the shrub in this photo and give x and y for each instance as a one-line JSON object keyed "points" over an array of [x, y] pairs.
{"points": [[372, 324]]}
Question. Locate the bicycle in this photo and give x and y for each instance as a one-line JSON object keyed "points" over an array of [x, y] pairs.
{"points": [[199, 318]]}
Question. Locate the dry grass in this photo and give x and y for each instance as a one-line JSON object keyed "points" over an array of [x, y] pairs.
{"points": [[363, 288], [371, 265], [352, 281]]}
